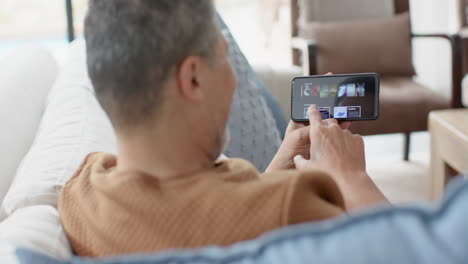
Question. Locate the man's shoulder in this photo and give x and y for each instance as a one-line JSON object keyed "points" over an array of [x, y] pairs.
{"points": [[84, 172], [235, 169], [94, 157], [242, 171]]}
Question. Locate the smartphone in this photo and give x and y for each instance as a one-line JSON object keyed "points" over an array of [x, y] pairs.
{"points": [[345, 97]]}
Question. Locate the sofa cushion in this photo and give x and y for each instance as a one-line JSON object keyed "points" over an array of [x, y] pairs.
{"points": [[72, 126], [404, 235], [378, 45], [404, 100], [37, 228], [255, 114], [26, 76]]}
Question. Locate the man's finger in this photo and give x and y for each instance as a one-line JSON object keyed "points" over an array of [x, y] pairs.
{"points": [[304, 134], [300, 162], [331, 121], [315, 118], [295, 125], [345, 124]]}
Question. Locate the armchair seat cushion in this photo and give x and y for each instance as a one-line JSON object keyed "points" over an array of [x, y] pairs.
{"points": [[404, 107]]}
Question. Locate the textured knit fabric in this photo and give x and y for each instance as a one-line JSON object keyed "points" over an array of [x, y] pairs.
{"points": [[252, 110], [106, 212]]}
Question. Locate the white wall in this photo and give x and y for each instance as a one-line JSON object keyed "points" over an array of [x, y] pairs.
{"points": [[432, 57]]}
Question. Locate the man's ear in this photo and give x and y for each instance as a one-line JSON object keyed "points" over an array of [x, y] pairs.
{"points": [[188, 78]]}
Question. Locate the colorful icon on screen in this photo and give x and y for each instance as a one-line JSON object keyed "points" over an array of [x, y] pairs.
{"points": [[351, 89], [354, 111], [361, 89], [333, 91], [324, 91], [315, 91], [340, 112], [342, 90], [324, 112], [305, 90]]}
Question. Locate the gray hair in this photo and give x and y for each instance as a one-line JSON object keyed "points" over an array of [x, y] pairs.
{"points": [[133, 45]]}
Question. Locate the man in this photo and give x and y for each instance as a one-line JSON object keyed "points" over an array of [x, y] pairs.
{"points": [[161, 74]]}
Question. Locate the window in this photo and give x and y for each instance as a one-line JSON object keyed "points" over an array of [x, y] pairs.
{"points": [[37, 21], [260, 26]]}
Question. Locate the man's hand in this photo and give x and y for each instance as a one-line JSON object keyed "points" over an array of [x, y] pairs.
{"points": [[296, 142], [341, 154], [332, 148]]}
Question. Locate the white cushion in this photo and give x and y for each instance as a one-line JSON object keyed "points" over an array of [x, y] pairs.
{"points": [[26, 76], [7, 253], [72, 126], [37, 228]]}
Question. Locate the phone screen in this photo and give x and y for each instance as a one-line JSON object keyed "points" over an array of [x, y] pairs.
{"points": [[343, 97]]}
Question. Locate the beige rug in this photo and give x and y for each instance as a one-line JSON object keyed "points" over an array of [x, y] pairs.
{"points": [[400, 181]]}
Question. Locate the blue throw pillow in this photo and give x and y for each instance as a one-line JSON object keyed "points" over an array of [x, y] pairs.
{"points": [[426, 235], [256, 123], [273, 104]]}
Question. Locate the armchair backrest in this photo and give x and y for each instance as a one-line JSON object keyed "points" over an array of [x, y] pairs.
{"points": [[462, 25], [339, 10], [323, 25], [463, 12]]}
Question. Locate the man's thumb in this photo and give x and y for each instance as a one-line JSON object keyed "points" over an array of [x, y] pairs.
{"points": [[300, 162]]}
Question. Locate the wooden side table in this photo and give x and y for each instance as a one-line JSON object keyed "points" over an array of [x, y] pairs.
{"points": [[449, 147]]}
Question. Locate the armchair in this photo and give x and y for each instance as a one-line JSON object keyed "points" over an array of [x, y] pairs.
{"points": [[326, 37], [462, 26]]}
